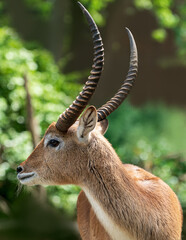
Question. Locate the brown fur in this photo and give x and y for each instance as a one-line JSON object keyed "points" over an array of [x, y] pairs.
{"points": [[138, 202]]}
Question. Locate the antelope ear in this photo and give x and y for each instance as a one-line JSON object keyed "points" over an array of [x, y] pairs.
{"points": [[102, 126], [87, 123]]}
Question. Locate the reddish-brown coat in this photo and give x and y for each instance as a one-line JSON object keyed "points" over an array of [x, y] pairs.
{"points": [[138, 203]]}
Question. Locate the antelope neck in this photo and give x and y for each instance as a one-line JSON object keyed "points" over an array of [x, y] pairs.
{"points": [[107, 193]]}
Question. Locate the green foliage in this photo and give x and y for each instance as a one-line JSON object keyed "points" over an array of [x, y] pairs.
{"points": [[152, 137], [159, 35], [170, 15], [51, 93], [163, 10], [181, 31], [64, 197]]}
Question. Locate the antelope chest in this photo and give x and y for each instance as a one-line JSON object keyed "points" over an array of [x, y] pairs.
{"points": [[115, 232]]}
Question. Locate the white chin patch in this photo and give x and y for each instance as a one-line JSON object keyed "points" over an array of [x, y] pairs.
{"points": [[27, 178]]}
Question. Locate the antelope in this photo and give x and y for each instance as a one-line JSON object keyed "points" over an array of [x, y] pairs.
{"points": [[118, 201]]}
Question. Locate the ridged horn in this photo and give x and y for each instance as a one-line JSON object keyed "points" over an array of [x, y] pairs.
{"points": [[67, 118], [122, 93]]}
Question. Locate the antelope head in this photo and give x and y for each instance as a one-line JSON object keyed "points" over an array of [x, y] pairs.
{"points": [[62, 155]]}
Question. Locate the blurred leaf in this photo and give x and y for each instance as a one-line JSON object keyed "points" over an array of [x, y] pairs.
{"points": [[143, 4], [159, 35]]}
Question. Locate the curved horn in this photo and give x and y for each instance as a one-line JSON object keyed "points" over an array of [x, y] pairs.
{"points": [[122, 93], [67, 118]]}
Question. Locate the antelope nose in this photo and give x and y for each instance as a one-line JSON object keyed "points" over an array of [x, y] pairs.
{"points": [[19, 169]]}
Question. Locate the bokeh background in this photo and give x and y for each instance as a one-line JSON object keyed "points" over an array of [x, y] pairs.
{"points": [[45, 56]]}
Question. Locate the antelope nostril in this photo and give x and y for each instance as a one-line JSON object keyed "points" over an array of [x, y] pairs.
{"points": [[19, 169]]}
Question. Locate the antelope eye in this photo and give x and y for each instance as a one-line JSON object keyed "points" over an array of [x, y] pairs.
{"points": [[53, 143]]}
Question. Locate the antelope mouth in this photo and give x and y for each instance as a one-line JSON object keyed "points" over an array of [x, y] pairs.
{"points": [[26, 177]]}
